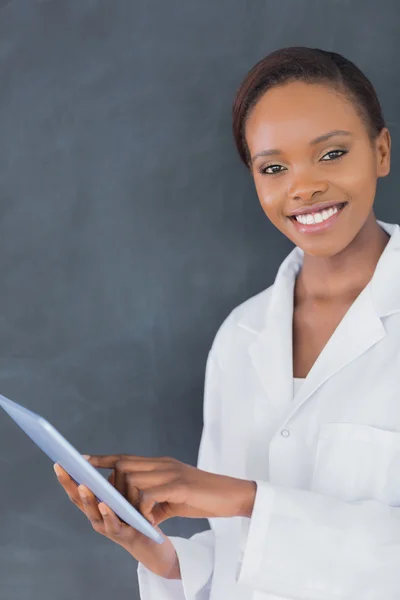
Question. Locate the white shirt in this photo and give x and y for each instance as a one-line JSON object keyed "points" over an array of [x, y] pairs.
{"points": [[325, 456], [297, 383]]}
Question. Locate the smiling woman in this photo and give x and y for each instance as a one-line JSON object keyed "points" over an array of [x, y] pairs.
{"points": [[295, 401], [298, 466]]}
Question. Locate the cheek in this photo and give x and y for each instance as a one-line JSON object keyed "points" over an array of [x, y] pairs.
{"points": [[271, 198], [356, 176], [359, 186], [351, 180]]}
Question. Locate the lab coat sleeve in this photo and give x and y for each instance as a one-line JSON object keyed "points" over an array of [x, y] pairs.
{"points": [[308, 546], [196, 554]]}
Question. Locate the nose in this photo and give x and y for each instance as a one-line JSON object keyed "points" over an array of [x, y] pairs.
{"points": [[304, 187]]}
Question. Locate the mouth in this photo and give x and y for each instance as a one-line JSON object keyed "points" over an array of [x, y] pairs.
{"points": [[318, 221]]}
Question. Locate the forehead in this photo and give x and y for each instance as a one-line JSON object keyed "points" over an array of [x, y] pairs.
{"points": [[299, 110]]}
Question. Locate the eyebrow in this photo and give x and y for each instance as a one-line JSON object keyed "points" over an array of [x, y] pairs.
{"points": [[317, 140]]}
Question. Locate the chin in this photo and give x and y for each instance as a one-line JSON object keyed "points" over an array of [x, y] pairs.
{"points": [[323, 249]]}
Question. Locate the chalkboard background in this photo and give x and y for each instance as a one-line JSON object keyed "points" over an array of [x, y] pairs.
{"points": [[129, 230]]}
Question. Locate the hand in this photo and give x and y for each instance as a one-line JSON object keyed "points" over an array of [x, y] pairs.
{"points": [[161, 488], [161, 559]]}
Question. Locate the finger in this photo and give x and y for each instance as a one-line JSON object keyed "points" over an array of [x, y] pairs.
{"points": [[169, 496], [108, 461], [133, 493], [90, 507], [105, 461], [113, 527], [144, 480], [120, 482], [69, 486], [161, 512]]}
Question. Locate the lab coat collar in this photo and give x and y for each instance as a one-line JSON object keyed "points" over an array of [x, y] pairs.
{"points": [[271, 350]]}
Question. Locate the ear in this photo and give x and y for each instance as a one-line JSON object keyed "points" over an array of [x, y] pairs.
{"points": [[383, 146]]}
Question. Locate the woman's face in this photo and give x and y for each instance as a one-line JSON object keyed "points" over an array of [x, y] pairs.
{"points": [[341, 168]]}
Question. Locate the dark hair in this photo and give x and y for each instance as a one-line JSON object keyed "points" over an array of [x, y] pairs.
{"points": [[311, 65]]}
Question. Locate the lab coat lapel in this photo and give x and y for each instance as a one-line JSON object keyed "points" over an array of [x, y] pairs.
{"points": [[271, 351], [359, 329]]}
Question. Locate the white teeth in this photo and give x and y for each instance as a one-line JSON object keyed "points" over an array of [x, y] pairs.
{"points": [[317, 217]]}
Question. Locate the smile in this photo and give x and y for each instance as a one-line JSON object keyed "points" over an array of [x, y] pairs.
{"points": [[318, 221]]}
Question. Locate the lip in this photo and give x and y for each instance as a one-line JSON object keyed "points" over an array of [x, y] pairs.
{"points": [[316, 227], [313, 208]]}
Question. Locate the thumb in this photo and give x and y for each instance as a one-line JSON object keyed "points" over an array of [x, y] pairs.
{"points": [[161, 501], [161, 512]]}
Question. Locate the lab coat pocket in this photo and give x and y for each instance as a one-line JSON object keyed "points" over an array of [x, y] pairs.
{"points": [[357, 462]]}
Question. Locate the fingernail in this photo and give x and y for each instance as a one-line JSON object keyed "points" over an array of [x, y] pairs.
{"points": [[87, 456], [103, 511], [57, 469]]}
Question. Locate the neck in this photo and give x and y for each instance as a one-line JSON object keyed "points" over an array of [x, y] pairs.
{"points": [[342, 277]]}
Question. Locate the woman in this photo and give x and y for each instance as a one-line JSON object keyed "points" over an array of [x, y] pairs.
{"points": [[301, 437]]}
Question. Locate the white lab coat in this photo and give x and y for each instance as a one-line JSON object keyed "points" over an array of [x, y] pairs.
{"points": [[326, 517]]}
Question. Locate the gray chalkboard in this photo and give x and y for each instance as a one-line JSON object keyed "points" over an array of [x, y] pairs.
{"points": [[129, 230]]}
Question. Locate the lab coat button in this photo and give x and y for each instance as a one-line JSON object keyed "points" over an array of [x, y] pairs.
{"points": [[285, 432]]}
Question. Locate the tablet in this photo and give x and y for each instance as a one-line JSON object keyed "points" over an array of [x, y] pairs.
{"points": [[82, 472]]}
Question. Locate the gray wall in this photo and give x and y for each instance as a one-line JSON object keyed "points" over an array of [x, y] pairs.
{"points": [[128, 231]]}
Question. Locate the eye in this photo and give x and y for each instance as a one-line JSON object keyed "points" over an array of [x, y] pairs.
{"points": [[263, 170], [333, 152]]}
